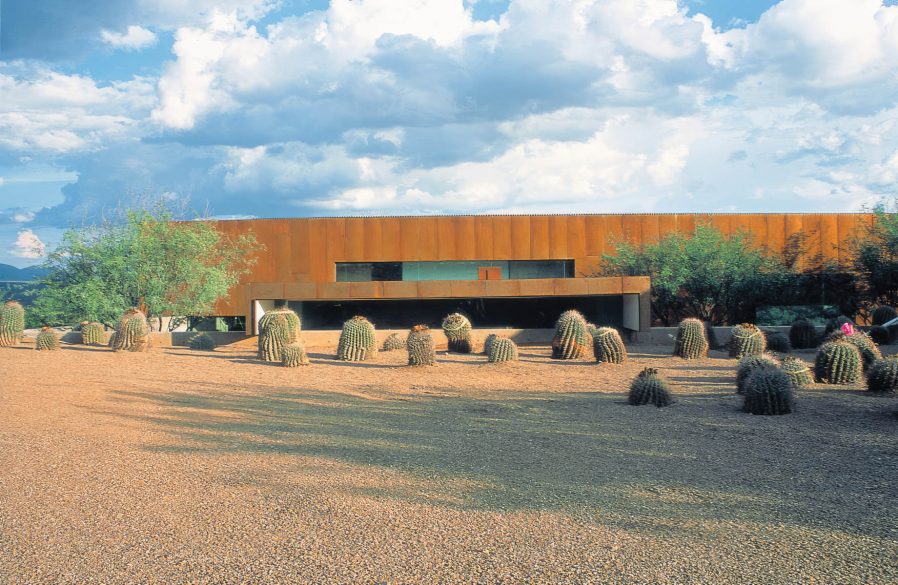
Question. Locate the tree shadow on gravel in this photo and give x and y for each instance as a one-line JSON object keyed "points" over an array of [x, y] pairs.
{"points": [[579, 453]]}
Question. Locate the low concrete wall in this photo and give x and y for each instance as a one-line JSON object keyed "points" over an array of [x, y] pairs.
{"points": [[666, 335]]}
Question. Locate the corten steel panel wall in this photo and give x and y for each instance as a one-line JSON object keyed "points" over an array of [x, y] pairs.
{"points": [[305, 250]]}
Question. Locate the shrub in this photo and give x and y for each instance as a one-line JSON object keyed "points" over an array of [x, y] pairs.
{"points": [[571, 339], [799, 373], [131, 332], [649, 388], [394, 342], [12, 323], [768, 391], [277, 328], [357, 340], [608, 346], [803, 334], [203, 342], [92, 333], [749, 364], [691, 342], [503, 349], [420, 346], [457, 328], [837, 362], [294, 354], [747, 340], [883, 376], [47, 339]]}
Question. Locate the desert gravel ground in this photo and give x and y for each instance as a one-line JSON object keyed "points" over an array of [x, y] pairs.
{"points": [[178, 466]]}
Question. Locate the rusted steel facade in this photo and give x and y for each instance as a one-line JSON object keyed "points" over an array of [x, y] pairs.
{"points": [[300, 256]]}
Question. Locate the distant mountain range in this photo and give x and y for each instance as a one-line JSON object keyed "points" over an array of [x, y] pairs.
{"points": [[8, 273]]}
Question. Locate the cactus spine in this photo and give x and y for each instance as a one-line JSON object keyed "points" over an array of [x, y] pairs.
{"points": [[883, 376], [749, 364], [802, 334], [420, 346], [747, 340], [92, 333], [277, 328], [47, 339], [649, 388], [12, 323], [768, 391], [131, 332], [691, 343], [294, 355], [394, 342], [202, 342], [503, 349], [869, 351], [457, 328], [357, 340], [799, 373], [837, 362], [571, 339], [884, 314], [608, 346]]}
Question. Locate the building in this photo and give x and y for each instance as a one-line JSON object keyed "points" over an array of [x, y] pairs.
{"points": [[518, 270]]}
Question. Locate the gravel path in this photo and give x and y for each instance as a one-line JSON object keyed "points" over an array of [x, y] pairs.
{"points": [[179, 466]]}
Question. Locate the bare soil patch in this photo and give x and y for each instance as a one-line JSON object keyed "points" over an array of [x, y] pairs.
{"points": [[185, 466]]}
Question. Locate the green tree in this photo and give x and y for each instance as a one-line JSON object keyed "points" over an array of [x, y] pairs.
{"points": [[707, 275], [874, 250], [148, 259]]}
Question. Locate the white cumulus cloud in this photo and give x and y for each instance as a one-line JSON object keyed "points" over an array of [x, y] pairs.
{"points": [[28, 245], [134, 38]]}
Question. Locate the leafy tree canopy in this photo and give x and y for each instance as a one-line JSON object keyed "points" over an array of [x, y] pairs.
{"points": [[875, 256]]}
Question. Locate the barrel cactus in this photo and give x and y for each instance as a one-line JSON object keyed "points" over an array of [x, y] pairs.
{"points": [[357, 340], [394, 342], [12, 323], [420, 346], [92, 333], [294, 354], [799, 373], [47, 339], [884, 314], [691, 342], [768, 391], [883, 376], [880, 335], [488, 342], [571, 339], [836, 323], [608, 346], [132, 332], [802, 334], [869, 350], [649, 388], [777, 341], [202, 342], [457, 328], [503, 349], [747, 340], [838, 362], [277, 328], [749, 364]]}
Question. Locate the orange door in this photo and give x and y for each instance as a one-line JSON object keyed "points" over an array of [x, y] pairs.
{"points": [[489, 273]]}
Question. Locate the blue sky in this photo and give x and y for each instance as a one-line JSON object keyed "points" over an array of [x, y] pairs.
{"points": [[353, 107]]}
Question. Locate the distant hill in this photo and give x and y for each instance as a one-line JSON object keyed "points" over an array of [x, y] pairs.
{"points": [[11, 273]]}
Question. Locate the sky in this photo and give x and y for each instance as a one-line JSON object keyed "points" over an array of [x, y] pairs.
{"points": [[289, 108]]}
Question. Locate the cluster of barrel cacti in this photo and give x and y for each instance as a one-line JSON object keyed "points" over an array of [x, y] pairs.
{"points": [[883, 376], [864, 344], [46, 339], [749, 364], [393, 342], [131, 332], [92, 333], [202, 342], [420, 346], [768, 391], [572, 339], [802, 334], [357, 340], [747, 340], [691, 342], [294, 355], [838, 362], [457, 328], [277, 328], [608, 346], [649, 387], [502, 349], [12, 323]]}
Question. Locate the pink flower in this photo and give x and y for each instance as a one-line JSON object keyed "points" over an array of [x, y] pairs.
{"points": [[848, 329]]}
